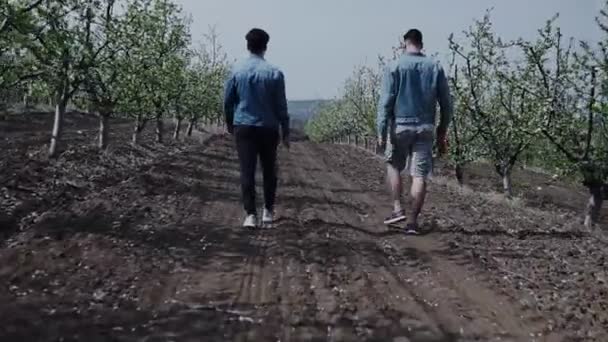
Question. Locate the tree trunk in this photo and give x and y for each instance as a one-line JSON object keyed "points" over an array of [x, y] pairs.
{"points": [[136, 129], [3, 112], [27, 96], [104, 130], [191, 127], [594, 206], [159, 130], [57, 127], [460, 174], [178, 128], [506, 183]]}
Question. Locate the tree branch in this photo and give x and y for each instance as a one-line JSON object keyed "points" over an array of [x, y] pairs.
{"points": [[8, 21], [32, 6], [560, 147], [522, 146], [590, 118], [541, 68]]}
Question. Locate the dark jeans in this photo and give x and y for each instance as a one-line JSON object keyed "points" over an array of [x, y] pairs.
{"points": [[252, 142]]}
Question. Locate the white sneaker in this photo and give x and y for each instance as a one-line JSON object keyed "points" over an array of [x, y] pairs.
{"points": [[251, 221], [267, 218]]}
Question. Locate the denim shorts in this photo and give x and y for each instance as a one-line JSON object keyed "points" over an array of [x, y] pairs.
{"points": [[411, 149]]}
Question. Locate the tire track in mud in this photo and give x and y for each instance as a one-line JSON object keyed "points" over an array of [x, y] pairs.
{"points": [[422, 324], [369, 293], [232, 284], [303, 292], [330, 313], [461, 307], [251, 287]]}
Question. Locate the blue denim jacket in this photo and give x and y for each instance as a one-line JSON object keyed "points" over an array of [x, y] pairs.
{"points": [[411, 88], [255, 95]]}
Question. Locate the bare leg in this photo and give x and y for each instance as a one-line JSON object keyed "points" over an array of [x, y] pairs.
{"points": [[396, 187], [418, 193]]}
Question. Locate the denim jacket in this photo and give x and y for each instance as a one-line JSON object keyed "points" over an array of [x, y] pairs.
{"points": [[255, 95], [411, 89]]}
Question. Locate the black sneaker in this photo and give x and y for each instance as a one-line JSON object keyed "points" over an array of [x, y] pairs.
{"points": [[412, 229], [395, 217]]}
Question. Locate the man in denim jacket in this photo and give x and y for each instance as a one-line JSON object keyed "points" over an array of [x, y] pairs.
{"points": [[411, 89], [255, 107]]}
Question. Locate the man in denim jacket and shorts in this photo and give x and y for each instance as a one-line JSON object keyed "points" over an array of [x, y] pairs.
{"points": [[412, 87]]}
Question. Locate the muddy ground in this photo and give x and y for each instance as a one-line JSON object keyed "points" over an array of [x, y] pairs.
{"points": [[144, 244]]}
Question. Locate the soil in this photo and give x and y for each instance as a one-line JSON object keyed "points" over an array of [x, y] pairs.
{"points": [[144, 244], [536, 188]]}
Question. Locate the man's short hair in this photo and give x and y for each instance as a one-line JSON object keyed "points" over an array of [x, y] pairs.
{"points": [[414, 36], [257, 40]]}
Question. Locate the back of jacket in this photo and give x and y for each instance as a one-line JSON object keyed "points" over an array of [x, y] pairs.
{"points": [[255, 95], [411, 89]]}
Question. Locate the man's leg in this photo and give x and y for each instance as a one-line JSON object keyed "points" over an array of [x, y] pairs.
{"points": [[268, 158], [395, 160], [247, 150], [395, 184], [418, 193], [421, 164]]}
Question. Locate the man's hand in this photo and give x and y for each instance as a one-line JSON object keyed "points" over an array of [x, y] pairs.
{"points": [[442, 144], [381, 143]]}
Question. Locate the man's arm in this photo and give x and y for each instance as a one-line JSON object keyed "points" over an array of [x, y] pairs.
{"points": [[445, 103], [230, 101], [386, 104], [281, 106]]}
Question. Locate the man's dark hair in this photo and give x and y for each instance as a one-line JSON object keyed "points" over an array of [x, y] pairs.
{"points": [[414, 36], [257, 40]]}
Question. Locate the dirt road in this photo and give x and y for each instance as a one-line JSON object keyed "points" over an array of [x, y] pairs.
{"points": [[157, 254]]}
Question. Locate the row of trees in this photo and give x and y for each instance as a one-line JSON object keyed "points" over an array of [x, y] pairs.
{"points": [[542, 100], [135, 61], [353, 113]]}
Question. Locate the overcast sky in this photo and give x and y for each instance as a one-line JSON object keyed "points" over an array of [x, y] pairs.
{"points": [[318, 42]]}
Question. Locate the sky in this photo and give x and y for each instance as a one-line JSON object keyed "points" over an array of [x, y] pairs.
{"points": [[317, 43]]}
